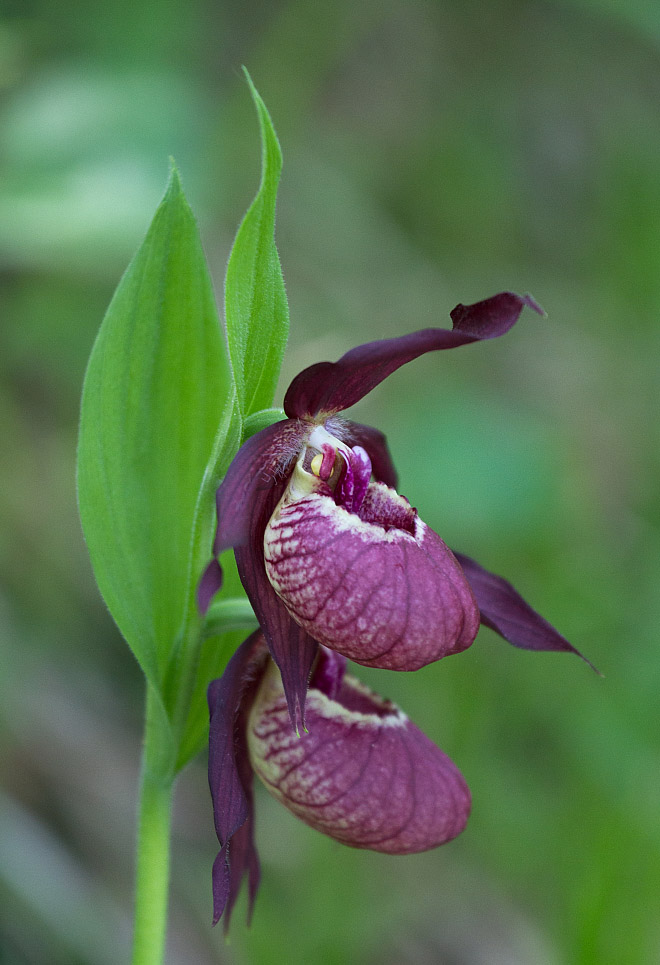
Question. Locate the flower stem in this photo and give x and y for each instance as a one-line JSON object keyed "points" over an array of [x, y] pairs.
{"points": [[153, 837]]}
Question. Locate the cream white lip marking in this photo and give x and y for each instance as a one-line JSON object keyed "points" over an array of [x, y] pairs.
{"points": [[302, 483], [320, 435]]}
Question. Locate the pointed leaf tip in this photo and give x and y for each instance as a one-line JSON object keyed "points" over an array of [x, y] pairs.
{"points": [[250, 82], [256, 309], [174, 187], [270, 145]]}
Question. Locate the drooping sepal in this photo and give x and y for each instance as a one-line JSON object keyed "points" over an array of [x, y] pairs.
{"points": [[364, 774], [245, 503], [291, 647], [330, 387], [230, 775], [503, 610]]}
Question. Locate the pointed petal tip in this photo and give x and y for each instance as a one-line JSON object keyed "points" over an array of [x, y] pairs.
{"points": [[531, 302], [589, 663], [503, 610], [296, 713], [566, 648], [492, 317], [220, 885]]}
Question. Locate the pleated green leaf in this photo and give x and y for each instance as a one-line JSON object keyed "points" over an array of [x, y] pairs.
{"points": [[157, 387]]}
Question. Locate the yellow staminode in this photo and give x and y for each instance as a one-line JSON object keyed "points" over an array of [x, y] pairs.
{"points": [[316, 464]]}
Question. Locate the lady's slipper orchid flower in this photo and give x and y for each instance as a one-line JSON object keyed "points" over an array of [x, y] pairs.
{"points": [[329, 555], [363, 774]]}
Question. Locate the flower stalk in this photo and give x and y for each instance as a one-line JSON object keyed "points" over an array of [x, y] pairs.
{"points": [[153, 838]]}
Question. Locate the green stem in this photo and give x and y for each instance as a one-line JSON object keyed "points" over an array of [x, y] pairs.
{"points": [[153, 839]]}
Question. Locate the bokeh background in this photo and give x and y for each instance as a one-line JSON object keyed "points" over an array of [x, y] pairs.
{"points": [[435, 152]]}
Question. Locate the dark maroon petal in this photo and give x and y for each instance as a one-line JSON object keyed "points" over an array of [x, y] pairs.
{"points": [[504, 611], [209, 585], [255, 469], [259, 465], [364, 774], [290, 645], [245, 502], [243, 858], [230, 774], [220, 884], [493, 316], [374, 443], [329, 387], [384, 590]]}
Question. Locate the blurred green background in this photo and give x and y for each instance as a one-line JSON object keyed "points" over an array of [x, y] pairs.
{"points": [[435, 152]]}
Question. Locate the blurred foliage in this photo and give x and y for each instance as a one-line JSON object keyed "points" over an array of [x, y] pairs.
{"points": [[434, 152]]}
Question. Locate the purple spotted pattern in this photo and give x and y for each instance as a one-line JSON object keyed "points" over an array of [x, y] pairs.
{"points": [[378, 585], [363, 774]]}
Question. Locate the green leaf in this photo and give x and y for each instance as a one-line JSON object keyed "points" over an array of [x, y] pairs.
{"points": [[234, 613], [157, 385], [179, 680], [256, 310], [259, 420]]}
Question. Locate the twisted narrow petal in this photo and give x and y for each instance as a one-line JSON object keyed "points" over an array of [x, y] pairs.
{"points": [[291, 646], [379, 587], [230, 776], [503, 610], [245, 501], [259, 466], [364, 774], [330, 387]]}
